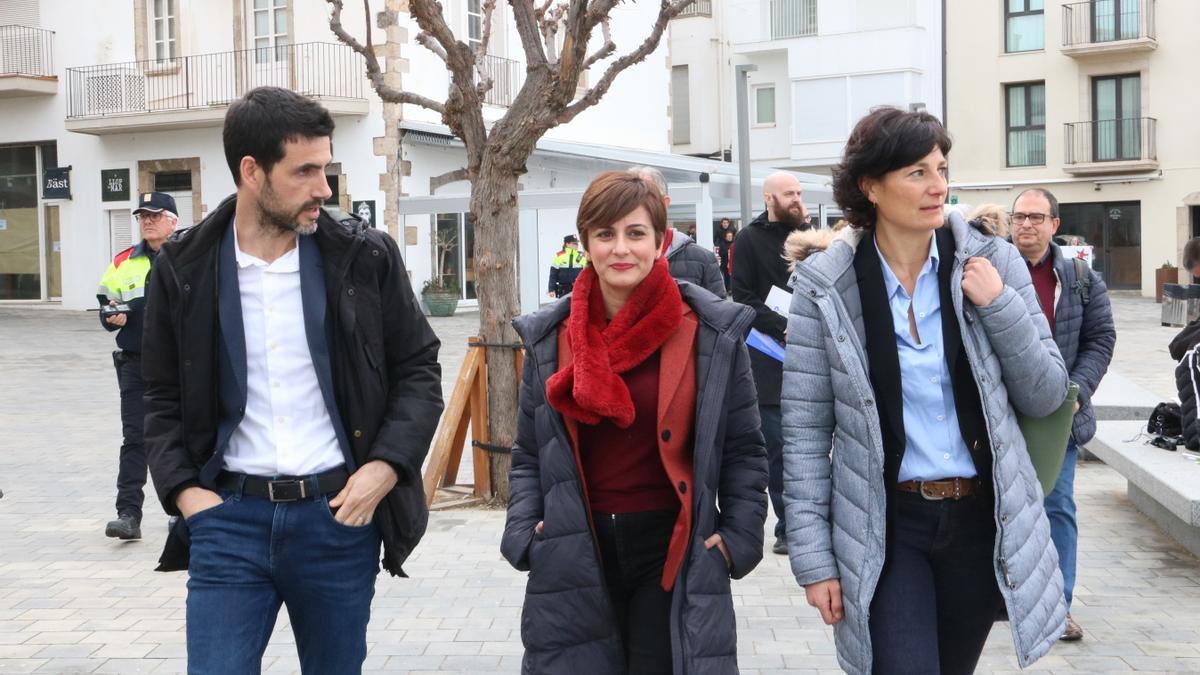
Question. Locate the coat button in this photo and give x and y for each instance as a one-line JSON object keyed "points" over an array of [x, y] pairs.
{"points": [[375, 252], [187, 288], [682, 487], [841, 338], [358, 433], [868, 402], [666, 435], [349, 291]]}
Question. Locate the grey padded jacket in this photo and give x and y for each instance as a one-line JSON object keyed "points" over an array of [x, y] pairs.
{"points": [[833, 455], [695, 264], [566, 621]]}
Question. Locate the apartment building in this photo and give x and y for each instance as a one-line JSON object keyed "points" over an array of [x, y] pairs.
{"points": [[1093, 100], [102, 101], [820, 66]]}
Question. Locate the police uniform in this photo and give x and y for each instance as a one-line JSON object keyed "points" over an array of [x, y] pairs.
{"points": [[124, 282], [565, 269]]}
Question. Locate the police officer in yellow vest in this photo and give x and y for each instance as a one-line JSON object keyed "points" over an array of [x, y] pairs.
{"points": [[565, 267], [123, 288]]}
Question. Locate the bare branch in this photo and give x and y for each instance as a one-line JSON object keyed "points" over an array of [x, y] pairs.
{"points": [[527, 19], [426, 40], [549, 26], [607, 49], [374, 72], [668, 10], [489, 8], [437, 182]]}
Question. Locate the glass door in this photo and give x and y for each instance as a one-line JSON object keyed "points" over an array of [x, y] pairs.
{"points": [[454, 252], [1114, 230], [1115, 20], [1116, 115], [20, 252], [53, 241], [271, 43]]}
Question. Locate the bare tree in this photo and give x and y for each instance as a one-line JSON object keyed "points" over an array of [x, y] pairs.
{"points": [[554, 35]]}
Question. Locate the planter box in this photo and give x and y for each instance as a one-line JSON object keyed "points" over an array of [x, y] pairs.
{"points": [[1162, 276], [440, 303]]}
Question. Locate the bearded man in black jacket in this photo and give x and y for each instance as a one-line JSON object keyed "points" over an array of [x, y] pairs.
{"points": [[759, 265], [292, 390]]}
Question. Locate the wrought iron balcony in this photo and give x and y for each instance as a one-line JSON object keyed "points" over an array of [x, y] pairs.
{"points": [[697, 8], [26, 61], [793, 18], [507, 78], [194, 91], [1107, 26], [1107, 146]]}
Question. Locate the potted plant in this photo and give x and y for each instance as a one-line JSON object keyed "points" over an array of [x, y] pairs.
{"points": [[1167, 274], [440, 293]]}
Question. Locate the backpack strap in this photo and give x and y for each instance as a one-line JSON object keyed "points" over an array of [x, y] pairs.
{"points": [[1083, 279]]}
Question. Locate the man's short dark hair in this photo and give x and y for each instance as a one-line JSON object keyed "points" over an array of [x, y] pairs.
{"points": [[259, 123], [1191, 254], [1045, 193], [885, 140]]}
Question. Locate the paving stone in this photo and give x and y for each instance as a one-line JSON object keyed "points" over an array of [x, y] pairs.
{"points": [[72, 600]]}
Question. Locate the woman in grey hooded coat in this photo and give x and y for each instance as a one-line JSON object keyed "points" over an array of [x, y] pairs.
{"points": [[914, 514]]}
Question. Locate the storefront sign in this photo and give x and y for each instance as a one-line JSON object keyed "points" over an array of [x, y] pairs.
{"points": [[56, 183], [114, 185], [365, 210]]}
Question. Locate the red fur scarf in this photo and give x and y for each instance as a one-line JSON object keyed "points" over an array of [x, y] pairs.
{"points": [[591, 388]]}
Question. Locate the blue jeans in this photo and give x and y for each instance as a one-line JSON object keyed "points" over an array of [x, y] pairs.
{"points": [[937, 595], [249, 555], [1060, 509], [771, 417]]}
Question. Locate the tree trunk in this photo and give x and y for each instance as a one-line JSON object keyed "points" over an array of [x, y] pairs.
{"points": [[494, 208]]}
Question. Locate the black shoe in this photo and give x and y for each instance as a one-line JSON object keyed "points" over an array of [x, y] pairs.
{"points": [[126, 526], [780, 546]]}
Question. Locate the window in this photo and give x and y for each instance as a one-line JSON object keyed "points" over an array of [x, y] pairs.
{"points": [[270, 19], [454, 252], [681, 119], [1116, 117], [1024, 29], [166, 28], [474, 23], [1114, 20], [764, 105], [1025, 106]]}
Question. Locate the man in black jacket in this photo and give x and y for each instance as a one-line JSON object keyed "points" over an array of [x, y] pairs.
{"points": [[292, 390], [759, 265]]}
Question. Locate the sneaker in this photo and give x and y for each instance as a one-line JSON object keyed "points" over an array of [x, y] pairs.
{"points": [[126, 526], [1073, 633], [780, 546]]}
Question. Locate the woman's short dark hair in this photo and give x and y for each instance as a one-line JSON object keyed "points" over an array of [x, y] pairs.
{"points": [[616, 194], [885, 140], [259, 123]]}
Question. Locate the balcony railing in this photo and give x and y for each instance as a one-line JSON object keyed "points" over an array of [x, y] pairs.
{"points": [[26, 51], [1100, 21], [507, 78], [206, 81], [697, 8], [793, 18], [1130, 139]]}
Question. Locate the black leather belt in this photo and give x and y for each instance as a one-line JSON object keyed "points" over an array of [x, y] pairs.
{"points": [[284, 488]]}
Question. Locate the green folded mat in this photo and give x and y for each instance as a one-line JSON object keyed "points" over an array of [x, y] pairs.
{"points": [[1046, 439]]}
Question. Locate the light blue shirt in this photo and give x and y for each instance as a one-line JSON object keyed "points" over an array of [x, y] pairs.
{"points": [[934, 447]]}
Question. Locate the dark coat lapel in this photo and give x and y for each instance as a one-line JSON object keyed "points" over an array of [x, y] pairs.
{"points": [[884, 359], [951, 335], [229, 311], [313, 300]]}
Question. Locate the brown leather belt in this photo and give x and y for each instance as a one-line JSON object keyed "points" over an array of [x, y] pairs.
{"points": [[947, 488]]}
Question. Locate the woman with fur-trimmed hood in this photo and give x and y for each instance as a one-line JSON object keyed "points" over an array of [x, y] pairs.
{"points": [[914, 514]]}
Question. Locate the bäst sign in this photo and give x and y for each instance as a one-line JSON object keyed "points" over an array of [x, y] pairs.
{"points": [[56, 183]]}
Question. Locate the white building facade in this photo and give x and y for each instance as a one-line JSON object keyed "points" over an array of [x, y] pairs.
{"points": [[1093, 101], [820, 66], [103, 101]]}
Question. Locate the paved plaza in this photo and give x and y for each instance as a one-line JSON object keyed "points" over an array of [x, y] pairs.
{"points": [[73, 601]]}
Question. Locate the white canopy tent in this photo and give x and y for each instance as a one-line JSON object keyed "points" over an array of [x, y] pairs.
{"points": [[701, 190]]}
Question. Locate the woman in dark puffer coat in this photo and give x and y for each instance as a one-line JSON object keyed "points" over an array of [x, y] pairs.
{"points": [[639, 473]]}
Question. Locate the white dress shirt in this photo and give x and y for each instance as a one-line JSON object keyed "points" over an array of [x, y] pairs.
{"points": [[286, 430]]}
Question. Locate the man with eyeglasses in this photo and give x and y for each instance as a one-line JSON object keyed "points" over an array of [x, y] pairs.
{"points": [[1074, 299], [122, 297]]}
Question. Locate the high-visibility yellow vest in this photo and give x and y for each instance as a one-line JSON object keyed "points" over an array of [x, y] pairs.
{"points": [[567, 258], [125, 279]]}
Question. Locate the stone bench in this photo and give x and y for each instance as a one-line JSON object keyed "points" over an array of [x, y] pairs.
{"points": [[1162, 484]]}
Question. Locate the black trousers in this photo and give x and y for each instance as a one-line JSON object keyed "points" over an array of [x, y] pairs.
{"points": [[131, 472], [937, 597], [633, 548], [772, 430]]}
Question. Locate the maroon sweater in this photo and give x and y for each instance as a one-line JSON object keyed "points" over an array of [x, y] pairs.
{"points": [[622, 467], [1044, 282]]}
